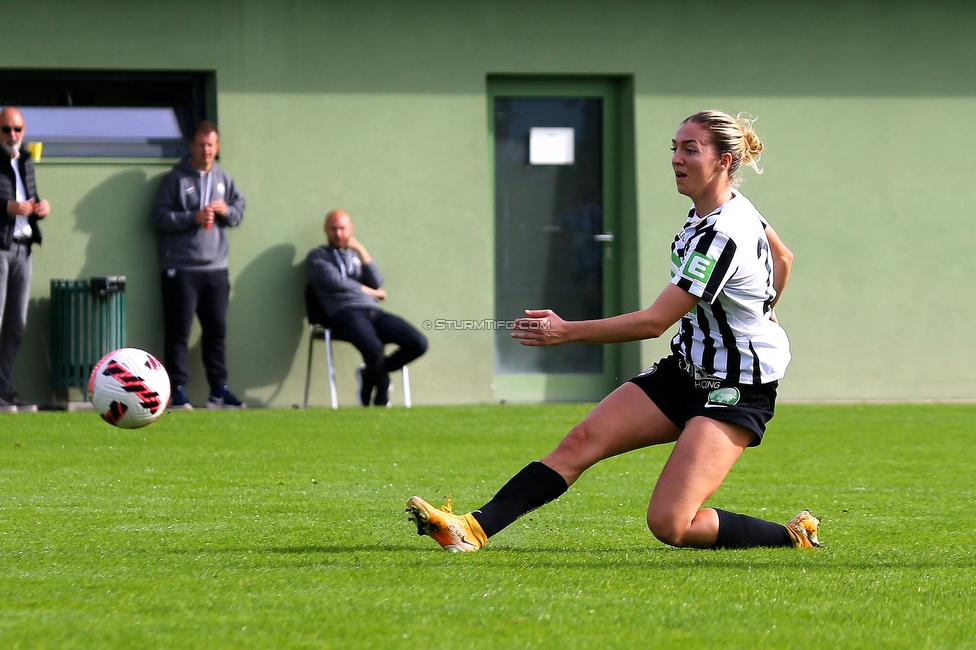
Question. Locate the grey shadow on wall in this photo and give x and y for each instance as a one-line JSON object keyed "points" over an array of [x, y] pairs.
{"points": [[264, 321], [32, 372], [122, 241]]}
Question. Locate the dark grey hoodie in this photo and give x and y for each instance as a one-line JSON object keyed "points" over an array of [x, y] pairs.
{"points": [[338, 276], [182, 243]]}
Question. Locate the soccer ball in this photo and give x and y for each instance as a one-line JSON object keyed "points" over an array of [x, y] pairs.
{"points": [[129, 388]]}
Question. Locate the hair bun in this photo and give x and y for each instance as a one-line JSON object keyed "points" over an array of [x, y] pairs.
{"points": [[752, 145]]}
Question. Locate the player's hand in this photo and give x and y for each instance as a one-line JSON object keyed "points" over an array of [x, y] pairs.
{"points": [[219, 207], [205, 217], [20, 208], [42, 209], [542, 327]]}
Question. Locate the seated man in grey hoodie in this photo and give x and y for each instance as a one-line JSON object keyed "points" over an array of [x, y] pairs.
{"points": [[349, 287], [197, 202]]}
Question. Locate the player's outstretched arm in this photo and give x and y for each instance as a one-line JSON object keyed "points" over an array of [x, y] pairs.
{"points": [[545, 327]]}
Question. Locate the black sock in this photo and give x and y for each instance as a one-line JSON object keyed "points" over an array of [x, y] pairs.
{"points": [[743, 531], [533, 487]]}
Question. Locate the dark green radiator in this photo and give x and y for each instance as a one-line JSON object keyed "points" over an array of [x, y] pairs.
{"points": [[87, 322]]}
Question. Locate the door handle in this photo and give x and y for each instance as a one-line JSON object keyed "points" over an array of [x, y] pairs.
{"points": [[607, 237]]}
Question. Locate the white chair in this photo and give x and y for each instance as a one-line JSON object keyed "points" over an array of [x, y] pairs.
{"points": [[319, 328]]}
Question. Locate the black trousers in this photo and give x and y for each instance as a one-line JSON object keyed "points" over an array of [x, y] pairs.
{"points": [[368, 329], [206, 294]]}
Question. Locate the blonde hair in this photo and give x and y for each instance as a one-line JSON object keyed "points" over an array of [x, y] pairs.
{"points": [[734, 136]]}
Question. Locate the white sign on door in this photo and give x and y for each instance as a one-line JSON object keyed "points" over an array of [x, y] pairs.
{"points": [[549, 145]]}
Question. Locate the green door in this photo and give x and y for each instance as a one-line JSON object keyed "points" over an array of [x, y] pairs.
{"points": [[556, 216]]}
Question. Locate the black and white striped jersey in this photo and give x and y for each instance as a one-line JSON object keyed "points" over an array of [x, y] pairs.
{"points": [[724, 259]]}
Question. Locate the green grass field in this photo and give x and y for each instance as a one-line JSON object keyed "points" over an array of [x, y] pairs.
{"points": [[285, 529]]}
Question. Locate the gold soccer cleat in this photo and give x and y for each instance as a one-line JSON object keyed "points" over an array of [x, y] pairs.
{"points": [[803, 528], [455, 533]]}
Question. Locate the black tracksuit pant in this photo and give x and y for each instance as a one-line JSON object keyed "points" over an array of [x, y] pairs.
{"points": [[368, 329], [206, 294]]}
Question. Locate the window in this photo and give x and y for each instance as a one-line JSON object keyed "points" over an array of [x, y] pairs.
{"points": [[109, 114], [104, 131]]}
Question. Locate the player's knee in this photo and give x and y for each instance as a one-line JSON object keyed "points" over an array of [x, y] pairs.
{"points": [[574, 454], [666, 527], [577, 441]]}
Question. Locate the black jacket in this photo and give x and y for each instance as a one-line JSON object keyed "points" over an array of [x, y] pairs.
{"points": [[8, 192]]}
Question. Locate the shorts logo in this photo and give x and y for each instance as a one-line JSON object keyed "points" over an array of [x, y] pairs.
{"points": [[649, 371], [723, 397], [698, 267]]}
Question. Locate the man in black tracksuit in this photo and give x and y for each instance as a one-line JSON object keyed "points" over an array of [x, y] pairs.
{"points": [[197, 202]]}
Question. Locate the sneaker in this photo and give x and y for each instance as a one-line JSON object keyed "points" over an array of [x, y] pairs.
{"points": [[803, 528], [222, 398], [179, 400], [7, 407], [23, 406], [19, 405], [455, 533], [364, 386]]}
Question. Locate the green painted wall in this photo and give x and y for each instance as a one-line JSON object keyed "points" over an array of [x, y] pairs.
{"points": [[380, 108]]}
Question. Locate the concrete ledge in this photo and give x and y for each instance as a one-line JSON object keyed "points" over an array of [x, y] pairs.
{"points": [[66, 406]]}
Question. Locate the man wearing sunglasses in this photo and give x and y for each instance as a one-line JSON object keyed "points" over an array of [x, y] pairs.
{"points": [[18, 232]]}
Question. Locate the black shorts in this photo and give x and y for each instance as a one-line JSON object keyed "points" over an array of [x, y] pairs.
{"points": [[680, 397]]}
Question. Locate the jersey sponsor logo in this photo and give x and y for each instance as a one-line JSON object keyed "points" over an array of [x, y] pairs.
{"points": [[723, 397], [698, 267], [708, 384]]}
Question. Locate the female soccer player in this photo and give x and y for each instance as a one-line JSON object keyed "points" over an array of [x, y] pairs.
{"points": [[712, 397]]}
